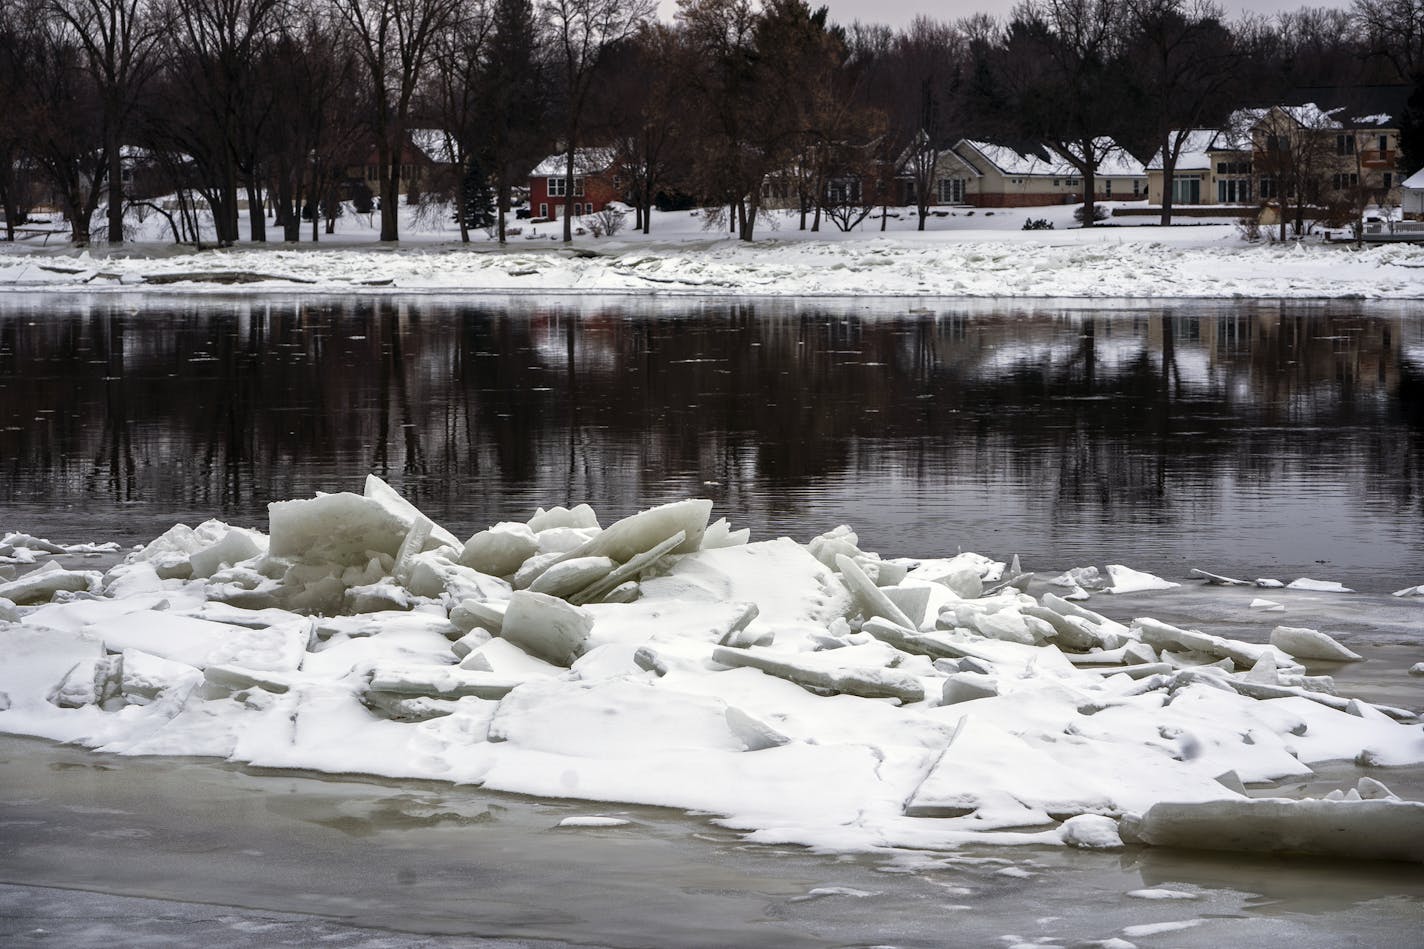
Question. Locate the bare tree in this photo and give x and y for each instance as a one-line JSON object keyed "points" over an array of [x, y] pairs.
{"points": [[1061, 67], [120, 39], [581, 32], [1395, 31], [394, 39], [452, 97], [1184, 67]]}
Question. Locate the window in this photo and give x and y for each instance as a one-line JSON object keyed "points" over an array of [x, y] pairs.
{"points": [[1233, 168], [1384, 143], [1186, 190], [1345, 144], [1341, 182], [1107, 187], [556, 188], [1277, 143], [1233, 191], [951, 190], [543, 210], [1268, 186], [1136, 187], [1388, 181]]}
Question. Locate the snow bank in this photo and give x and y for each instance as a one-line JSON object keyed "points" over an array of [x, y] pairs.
{"points": [[813, 693], [1093, 263]]}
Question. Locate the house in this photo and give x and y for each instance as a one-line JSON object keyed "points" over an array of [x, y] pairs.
{"points": [[1343, 147], [424, 155], [989, 175], [1213, 168], [1412, 199], [596, 183]]}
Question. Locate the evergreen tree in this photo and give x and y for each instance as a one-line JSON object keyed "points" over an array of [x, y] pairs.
{"points": [[476, 197], [1411, 129]]}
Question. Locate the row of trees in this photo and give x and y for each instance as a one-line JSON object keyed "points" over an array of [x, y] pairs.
{"points": [[273, 101]]}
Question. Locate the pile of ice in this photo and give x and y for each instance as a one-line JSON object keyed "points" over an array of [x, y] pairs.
{"points": [[812, 693]]}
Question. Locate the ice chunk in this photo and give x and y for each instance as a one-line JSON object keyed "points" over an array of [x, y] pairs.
{"points": [[1305, 643], [433, 575], [1266, 606], [1213, 578], [1371, 830], [501, 550], [967, 686], [1410, 591], [1269, 584], [720, 534], [1090, 832], [1088, 578], [986, 765], [1318, 586], [561, 540], [472, 613], [866, 682], [1161, 636], [593, 822], [579, 517], [871, 599], [339, 528], [40, 586], [1126, 580], [840, 541], [1417, 669], [235, 546], [9, 613], [637, 564], [546, 627], [391, 500], [622, 540], [442, 683], [506, 659], [144, 677], [911, 600]]}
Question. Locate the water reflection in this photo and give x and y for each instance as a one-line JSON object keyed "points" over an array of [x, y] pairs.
{"points": [[1237, 436]]}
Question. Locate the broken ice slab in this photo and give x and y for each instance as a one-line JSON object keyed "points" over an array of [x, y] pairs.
{"points": [[409, 708], [1410, 591], [623, 540], [1264, 690], [580, 516], [1161, 636], [570, 576], [334, 528], [40, 586], [546, 627], [145, 677], [442, 682], [1318, 586], [870, 598], [1126, 580], [473, 613], [235, 677], [1305, 643], [985, 765], [500, 550], [1380, 829], [389, 498], [1218, 579], [866, 682], [646, 560]]}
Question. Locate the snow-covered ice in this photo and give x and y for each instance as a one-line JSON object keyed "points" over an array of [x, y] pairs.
{"points": [[961, 254], [809, 693]]}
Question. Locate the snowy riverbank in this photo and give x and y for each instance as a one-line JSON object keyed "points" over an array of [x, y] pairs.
{"points": [[815, 694], [981, 255]]}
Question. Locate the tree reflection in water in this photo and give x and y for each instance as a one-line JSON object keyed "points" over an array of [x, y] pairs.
{"points": [[1063, 432]]}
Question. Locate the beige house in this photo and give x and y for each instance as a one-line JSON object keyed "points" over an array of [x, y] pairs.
{"points": [[1266, 154], [988, 175]]}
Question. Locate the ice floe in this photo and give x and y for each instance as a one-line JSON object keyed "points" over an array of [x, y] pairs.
{"points": [[814, 693]]}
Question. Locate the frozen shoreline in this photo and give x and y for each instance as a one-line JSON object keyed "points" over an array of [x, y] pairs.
{"points": [[957, 257]]}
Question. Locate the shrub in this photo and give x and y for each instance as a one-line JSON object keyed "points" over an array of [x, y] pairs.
{"points": [[1080, 214], [1038, 224]]}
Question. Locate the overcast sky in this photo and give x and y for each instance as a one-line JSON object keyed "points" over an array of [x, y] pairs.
{"points": [[900, 12]]}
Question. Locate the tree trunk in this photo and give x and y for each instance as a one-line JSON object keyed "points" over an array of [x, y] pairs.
{"points": [[116, 180], [1169, 171], [569, 191], [256, 212], [1089, 197], [502, 206], [388, 166]]}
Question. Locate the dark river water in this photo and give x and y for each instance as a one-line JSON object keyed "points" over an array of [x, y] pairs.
{"points": [[1262, 439]]}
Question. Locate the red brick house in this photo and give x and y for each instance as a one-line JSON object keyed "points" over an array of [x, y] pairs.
{"points": [[596, 183]]}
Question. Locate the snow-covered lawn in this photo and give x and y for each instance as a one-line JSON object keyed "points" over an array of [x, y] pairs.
{"points": [[979, 253], [811, 693]]}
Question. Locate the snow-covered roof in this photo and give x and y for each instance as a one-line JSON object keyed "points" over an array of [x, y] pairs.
{"points": [[1011, 161], [1115, 162], [1379, 119], [587, 161], [1415, 182], [1193, 156]]}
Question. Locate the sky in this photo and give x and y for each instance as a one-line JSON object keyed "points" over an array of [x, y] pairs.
{"points": [[900, 12]]}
